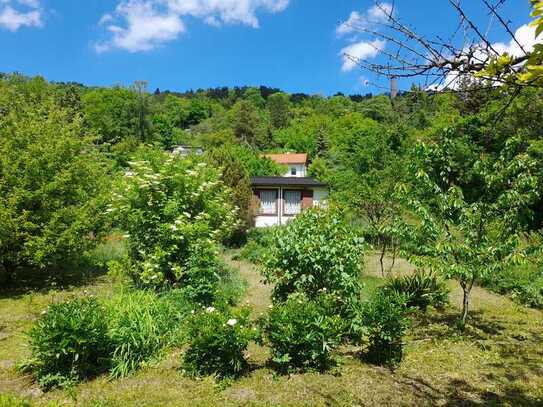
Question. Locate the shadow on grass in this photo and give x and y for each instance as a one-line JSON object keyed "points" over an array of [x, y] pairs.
{"points": [[461, 393], [517, 344], [27, 280], [444, 324], [83, 271]]}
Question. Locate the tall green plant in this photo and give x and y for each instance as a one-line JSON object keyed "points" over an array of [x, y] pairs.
{"points": [[175, 210], [140, 325], [469, 208], [53, 181], [316, 251], [70, 342]]}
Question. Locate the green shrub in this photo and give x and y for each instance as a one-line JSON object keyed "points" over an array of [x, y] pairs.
{"points": [[524, 284], [70, 342], [217, 342], [54, 183], [141, 325], [385, 322], [315, 251], [302, 333], [258, 241], [175, 211], [420, 289]]}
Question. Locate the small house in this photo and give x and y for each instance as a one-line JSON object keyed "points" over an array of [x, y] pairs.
{"points": [[282, 198]]}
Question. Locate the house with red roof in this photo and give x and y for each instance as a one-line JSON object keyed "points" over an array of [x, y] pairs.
{"points": [[280, 199]]}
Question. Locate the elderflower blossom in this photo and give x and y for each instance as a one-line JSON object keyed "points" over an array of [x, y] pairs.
{"points": [[232, 322], [210, 309]]}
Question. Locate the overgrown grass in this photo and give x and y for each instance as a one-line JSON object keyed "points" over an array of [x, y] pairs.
{"points": [[524, 284], [141, 325], [231, 285]]}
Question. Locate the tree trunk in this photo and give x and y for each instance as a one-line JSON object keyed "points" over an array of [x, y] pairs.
{"points": [[383, 251], [466, 288]]}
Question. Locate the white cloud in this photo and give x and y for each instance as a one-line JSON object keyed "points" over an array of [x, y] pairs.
{"points": [[146, 27], [227, 11], [146, 24], [360, 51], [13, 17], [356, 21], [380, 12], [525, 35]]}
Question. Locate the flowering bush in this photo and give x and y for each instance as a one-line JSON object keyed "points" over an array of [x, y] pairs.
{"points": [[217, 342], [70, 342], [302, 333], [315, 251], [174, 211]]}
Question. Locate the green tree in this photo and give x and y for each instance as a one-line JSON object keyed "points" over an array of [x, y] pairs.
{"points": [[462, 233], [235, 175], [53, 182], [111, 113], [142, 109], [278, 106], [248, 124]]}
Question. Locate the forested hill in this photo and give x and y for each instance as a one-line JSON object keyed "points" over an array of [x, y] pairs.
{"points": [[362, 145]]}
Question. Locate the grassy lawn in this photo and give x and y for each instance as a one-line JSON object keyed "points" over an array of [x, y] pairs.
{"points": [[498, 360]]}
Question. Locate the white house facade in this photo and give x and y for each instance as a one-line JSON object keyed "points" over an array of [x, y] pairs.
{"points": [[280, 199]]}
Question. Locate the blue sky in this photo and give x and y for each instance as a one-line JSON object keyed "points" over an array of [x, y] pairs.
{"points": [[182, 44]]}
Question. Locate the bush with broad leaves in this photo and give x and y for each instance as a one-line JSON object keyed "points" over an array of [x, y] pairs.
{"points": [[302, 333], [217, 342], [70, 342], [316, 251], [384, 322]]}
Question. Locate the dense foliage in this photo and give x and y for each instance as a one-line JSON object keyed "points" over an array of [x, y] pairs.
{"points": [[523, 283], [420, 289], [256, 247], [70, 342], [449, 180], [82, 337], [217, 342], [316, 251], [141, 325], [384, 321], [52, 182], [303, 333]]}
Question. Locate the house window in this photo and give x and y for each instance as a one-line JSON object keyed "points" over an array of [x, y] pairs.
{"points": [[293, 202], [268, 201], [293, 171]]}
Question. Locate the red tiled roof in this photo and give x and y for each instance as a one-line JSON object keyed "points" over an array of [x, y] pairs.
{"points": [[288, 158]]}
